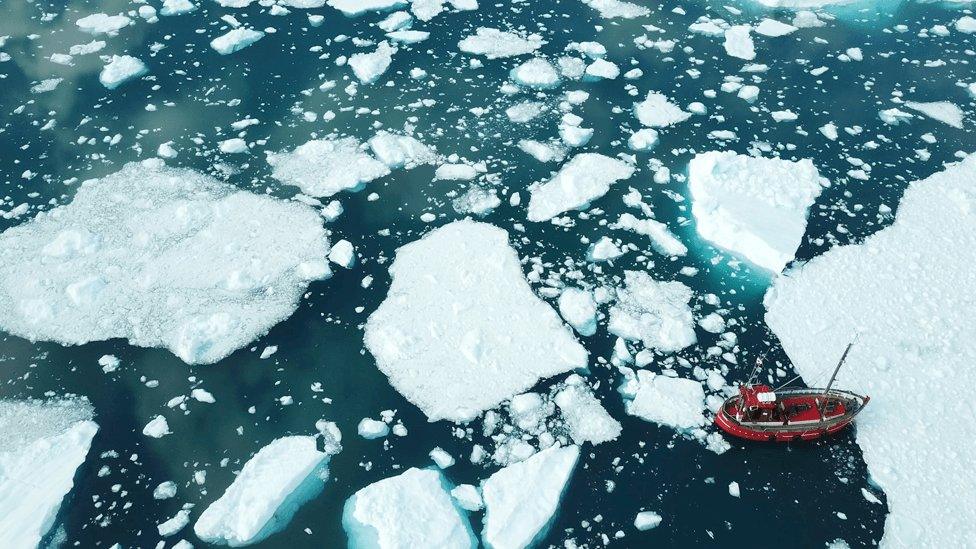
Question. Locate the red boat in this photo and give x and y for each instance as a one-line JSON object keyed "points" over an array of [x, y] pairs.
{"points": [[759, 412]]}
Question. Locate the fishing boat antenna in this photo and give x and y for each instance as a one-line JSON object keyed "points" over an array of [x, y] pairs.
{"points": [[839, 364], [755, 369]]}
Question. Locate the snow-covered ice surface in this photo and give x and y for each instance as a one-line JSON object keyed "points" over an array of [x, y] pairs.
{"points": [[521, 499], [670, 401], [905, 294], [460, 330], [755, 207], [42, 444], [412, 509], [115, 264], [268, 491], [653, 312], [584, 178], [324, 167]]}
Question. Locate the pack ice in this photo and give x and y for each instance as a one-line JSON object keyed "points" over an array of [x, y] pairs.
{"points": [[41, 446], [412, 509], [460, 329], [115, 264], [907, 290], [268, 491], [521, 500], [585, 178], [754, 207]]}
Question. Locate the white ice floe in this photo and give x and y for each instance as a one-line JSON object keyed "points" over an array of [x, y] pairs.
{"points": [[324, 167], [584, 415], [359, 7], [455, 172], [114, 264], [268, 491], [42, 444], [907, 292], [235, 40], [738, 42], [535, 73], [343, 254], [756, 207], [646, 520], [662, 239], [494, 43], [460, 329], [412, 509], [602, 69], [400, 151], [943, 111], [524, 111], [177, 7], [578, 308], [234, 145], [100, 23], [652, 312], [611, 9], [655, 111], [370, 429], [368, 67], [643, 140], [157, 427], [522, 499], [468, 497], [585, 178], [773, 28], [120, 69], [671, 401]]}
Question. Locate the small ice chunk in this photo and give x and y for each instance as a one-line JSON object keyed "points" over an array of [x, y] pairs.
{"points": [[738, 43], [400, 151], [174, 525], [157, 427], [655, 111], [359, 7], [734, 489], [100, 23], [368, 67], [234, 145], [671, 401], [494, 43], [441, 458], [612, 9], [372, 429], [943, 111], [460, 330], [587, 419], [647, 520], [412, 509], [468, 497], [521, 499], [165, 490], [235, 40], [643, 140], [655, 313], [343, 254], [324, 167], [177, 7], [120, 69], [536, 73], [756, 207], [774, 28], [578, 308], [586, 177], [270, 488]]}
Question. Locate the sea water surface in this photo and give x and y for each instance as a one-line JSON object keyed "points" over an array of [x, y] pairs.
{"points": [[807, 492]]}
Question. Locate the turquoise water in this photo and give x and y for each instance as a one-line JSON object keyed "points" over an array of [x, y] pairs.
{"points": [[790, 492]]}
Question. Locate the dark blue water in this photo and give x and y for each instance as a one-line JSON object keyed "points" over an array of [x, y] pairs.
{"points": [[791, 494]]}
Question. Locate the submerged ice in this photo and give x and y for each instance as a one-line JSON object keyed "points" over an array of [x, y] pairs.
{"points": [[115, 264]]}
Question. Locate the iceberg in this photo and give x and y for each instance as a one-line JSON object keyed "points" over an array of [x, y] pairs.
{"points": [[324, 167], [268, 491], [460, 330], [585, 178], [654, 313], [42, 444], [907, 292], [412, 509], [521, 500], [115, 264], [494, 43], [120, 69], [672, 401], [754, 207]]}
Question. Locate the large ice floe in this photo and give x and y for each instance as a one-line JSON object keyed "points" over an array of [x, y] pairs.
{"points": [[653, 312], [115, 264], [270, 488], [908, 292], [494, 43], [42, 444], [521, 500], [412, 509], [585, 178], [324, 167], [755, 207], [461, 330]]}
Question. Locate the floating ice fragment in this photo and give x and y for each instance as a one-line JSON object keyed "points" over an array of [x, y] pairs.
{"points": [[585, 178], [671, 401], [578, 308], [101, 23], [655, 313], [647, 520], [756, 207], [460, 330], [738, 43], [611, 9], [121, 69], [656, 111], [359, 7], [494, 43], [943, 111], [324, 167], [368, 67], [535, 73], [156, 428], [235, 40]]}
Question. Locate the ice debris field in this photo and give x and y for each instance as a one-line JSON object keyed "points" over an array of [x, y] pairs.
{"points": [[452, 273]]}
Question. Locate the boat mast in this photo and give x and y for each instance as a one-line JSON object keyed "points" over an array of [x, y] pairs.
{"points": [[755, 369], [839, 364]]}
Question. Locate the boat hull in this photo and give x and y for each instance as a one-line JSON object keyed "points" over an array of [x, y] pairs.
{"points": [[808, 414]]}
